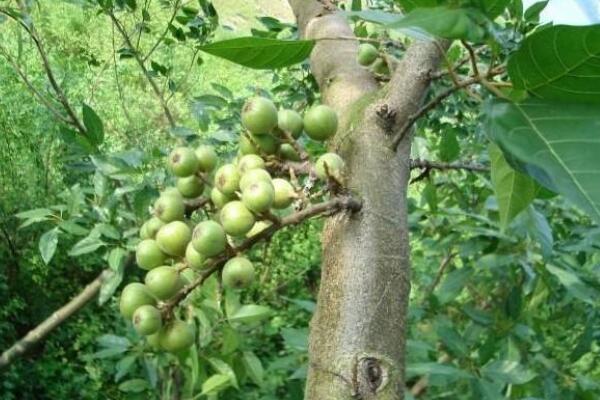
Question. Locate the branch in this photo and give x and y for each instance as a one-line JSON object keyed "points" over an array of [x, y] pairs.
{"points": [[164, 34], [459, 165], [140, 61], [327, 207]]}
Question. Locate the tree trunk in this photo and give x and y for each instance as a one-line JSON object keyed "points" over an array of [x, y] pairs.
{"points": [[358, 332]]}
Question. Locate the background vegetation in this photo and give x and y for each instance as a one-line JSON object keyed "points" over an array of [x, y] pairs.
{"points": [[496, 311]]}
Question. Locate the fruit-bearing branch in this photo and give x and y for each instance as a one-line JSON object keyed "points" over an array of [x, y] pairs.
{"points": [[336, 204]]}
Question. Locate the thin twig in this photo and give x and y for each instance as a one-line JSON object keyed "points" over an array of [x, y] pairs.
{"points": [[164, 34], [444, 166]]}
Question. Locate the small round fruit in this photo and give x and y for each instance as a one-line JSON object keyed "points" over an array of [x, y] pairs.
{"points": [[380, 67], [334, 163], [154, 340], [148, 255], [227, 179], [190, 186], [173, 238], [255, 144], [209, 238], [194, 259], [183, 161], [290, 121], [367, 53], [218, 198], [147, 320], [258, 227], [153, 225], [287, 152], [207, 158], [170, 191], [163, 282], [238, 273], [284, 193], [144, 231], [176, 336], [320, 122], [134, 296], [259, 115], [237, 220], [169, 208], [250, 161], [254, 175], [258, 196]]}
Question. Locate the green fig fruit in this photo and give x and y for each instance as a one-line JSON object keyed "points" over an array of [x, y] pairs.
{"points": [[219, 199], [367, 53], [259, 115], [193, 258], [290, 121], [183, 162], [176, 336], [169, 208], [237, 220], [335, 166], [207, 158], [320, 122], [252, 176], [163, 282], [148, 254], [258, 196], [190, 186], [147, 320], [227, 179], [288, 152], [173, 238], [134, 296], [255, 144], [250, 161], [284, 193], [152, 226], [238, 273], [209, 238]]}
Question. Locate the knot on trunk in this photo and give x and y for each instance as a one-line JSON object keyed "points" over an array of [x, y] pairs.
{"points": [[371, 375]]}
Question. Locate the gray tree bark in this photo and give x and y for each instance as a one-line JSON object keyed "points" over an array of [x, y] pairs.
{"points": [[358, 332]]}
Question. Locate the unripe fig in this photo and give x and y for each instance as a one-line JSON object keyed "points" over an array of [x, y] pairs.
{"points": [[183, 162], [258, 227], [380, 67], [219, 199], [190, 186], [227, 179], [256, 144], [152, 226], [258, 196], [237, 220], [290, 121], [194, 259], [134, 296], [154, 340], [209, 238], [186, 275], [169, 208], [252, 176], [148, 255], [176, 336], [171, 191], [287, 152], [207, 158], [320, 122], [173, 238], [147, 320], [284, 193], [259, 115], [250, 161], [163, 282], [238, 273], [334, 163], [367, 53], [144, 231]]}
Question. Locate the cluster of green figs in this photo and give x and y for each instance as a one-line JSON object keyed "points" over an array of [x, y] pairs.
{"points": [[240, 196], [368, 56]]}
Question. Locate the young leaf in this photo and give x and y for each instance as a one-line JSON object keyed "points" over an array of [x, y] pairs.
{"points": [[47, 245], [261, 53], [514, 190], [225, 369], [214, 384], [250, 313]]}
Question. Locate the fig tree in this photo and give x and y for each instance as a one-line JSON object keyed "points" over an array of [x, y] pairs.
{"points": [[194, 259], [237, 220], [148, 255], [284, 193], [169, 208], [258, 196], [259, 115], [209, 238], [163, 282], [250, 161], [320, 122], [134, 296], [218, 198], [173, 238], [329, 164], [207, 158], [147, 320], [190, 186], [252, 176], [176, 336], [367, 53], [227, 179], [290, 121], [183, 162], [238, 273]]}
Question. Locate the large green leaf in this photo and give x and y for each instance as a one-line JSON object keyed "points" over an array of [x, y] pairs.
{"points": [[560, 62], [261, 53], [492, 8], [450, 23], [557, 144], [514, 190]]}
